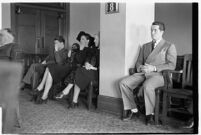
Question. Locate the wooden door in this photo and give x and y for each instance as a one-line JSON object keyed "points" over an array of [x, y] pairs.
{"points": [[51, 22], [27, 28], [36, 28]]}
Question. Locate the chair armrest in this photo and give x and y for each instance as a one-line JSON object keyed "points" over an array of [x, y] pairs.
{"points": [[167, 75], [132, 71], [176, 71], [167, 78]]}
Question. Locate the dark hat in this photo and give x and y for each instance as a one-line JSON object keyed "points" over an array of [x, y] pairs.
{"points": [[77, 46], [60, 39], [80, 34], [91, 42]]}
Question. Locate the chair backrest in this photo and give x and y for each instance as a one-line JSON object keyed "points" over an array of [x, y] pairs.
{"points": [[187, 71]]}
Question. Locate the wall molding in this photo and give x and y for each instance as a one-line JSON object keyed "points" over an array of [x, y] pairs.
{"points": [[110, 105]]}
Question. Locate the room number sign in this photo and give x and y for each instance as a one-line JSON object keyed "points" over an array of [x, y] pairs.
{"points": [[111, 7]]}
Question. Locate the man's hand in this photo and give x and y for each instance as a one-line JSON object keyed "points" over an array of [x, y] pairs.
{"points": [[147, 68], [139, 69]]}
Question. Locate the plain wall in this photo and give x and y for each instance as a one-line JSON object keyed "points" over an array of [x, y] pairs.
{"points": [[112, 50], [0, 28], [138, 30], [178, 20], [121, 35], [6, 15], [83, 17]]}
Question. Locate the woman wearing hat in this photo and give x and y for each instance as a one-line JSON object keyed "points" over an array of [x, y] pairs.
{"points": [[83, 75], [56, 72]]}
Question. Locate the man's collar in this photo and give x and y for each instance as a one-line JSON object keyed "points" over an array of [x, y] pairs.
{"points": [[157, 42]]}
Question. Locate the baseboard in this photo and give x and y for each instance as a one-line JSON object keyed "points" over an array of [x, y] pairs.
{"points": [[110, 104]]}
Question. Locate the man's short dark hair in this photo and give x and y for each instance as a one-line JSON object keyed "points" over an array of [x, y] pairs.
{"points": [[160, 24], [60, 39]]}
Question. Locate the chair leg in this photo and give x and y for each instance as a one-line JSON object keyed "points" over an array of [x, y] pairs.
{"points": [[164, 108], [35, 80], [71, 93], [89, 97], [157, 106]]}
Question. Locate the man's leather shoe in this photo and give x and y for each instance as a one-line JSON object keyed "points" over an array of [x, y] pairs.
{"points": [[150, 119], [131, 115], [189, 124], [125, 113]]}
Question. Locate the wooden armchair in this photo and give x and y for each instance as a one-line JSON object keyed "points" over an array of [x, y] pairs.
{"points": [[168, 83], [168, 92], [138, 93], [91, 93]]}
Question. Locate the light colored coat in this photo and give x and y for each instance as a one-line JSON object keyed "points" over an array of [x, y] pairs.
{"points": [[163, 57]]}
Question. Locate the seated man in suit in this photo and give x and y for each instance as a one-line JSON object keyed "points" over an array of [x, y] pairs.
{"points": [[154, 57]]}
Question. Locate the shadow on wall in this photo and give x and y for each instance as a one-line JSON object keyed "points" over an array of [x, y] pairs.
{"points": [[139, 35]]}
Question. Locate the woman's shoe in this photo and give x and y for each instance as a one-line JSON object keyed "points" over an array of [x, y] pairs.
{"points": [[35, 94], [73, 105], [61, 95], [39, 99]]}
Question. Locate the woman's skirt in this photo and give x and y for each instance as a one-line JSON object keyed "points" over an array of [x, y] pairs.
{"points": [[83, 77], [59, 72]]}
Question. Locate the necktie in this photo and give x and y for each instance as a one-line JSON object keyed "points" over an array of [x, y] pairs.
{"points": [[153, 44]]}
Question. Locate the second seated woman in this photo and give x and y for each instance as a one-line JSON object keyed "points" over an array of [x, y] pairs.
{"points": [[83, 75], [56, 72]]}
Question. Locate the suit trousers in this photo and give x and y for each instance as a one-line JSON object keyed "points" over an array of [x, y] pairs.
{"points": [[149, 84], [33, 74]]}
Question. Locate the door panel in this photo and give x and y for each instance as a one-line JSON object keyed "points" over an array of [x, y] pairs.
{"points": [[27, 39], [49, 30], [27, 29]]}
